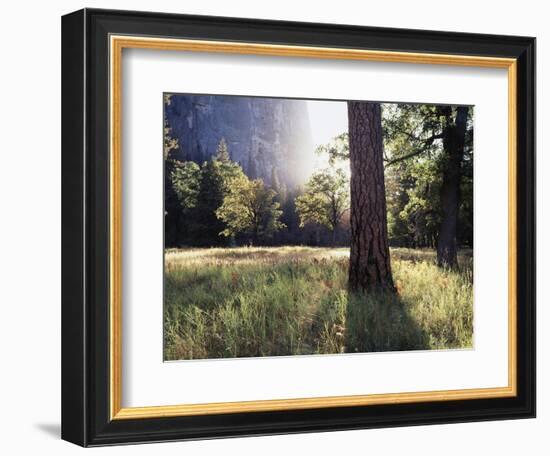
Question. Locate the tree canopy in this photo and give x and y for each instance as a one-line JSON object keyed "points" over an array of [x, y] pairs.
{"points": [[250, 208], [325, 199], [185, 177]]}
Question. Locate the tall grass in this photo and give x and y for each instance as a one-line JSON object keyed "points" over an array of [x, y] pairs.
{"points": [[244, 302]]}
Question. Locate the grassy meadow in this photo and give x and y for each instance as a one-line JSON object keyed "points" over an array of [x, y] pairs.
{"points": [[268, 301]]}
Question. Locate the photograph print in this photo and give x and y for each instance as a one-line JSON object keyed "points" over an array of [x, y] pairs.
{"points": [[315, 227]]}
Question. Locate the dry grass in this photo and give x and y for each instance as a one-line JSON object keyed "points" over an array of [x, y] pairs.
{"points": [[176, 258], [262, 301]]}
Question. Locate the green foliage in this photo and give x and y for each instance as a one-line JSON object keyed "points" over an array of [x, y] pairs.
{"points": [[249, 207], [194, 193], [412, 176], [225, 170], [411, 131], [216, 180], [317, 213], [169, 143], [185, 177], [412, 190], [172, 208], [415, 160], [325, 199], [239, 302], [337, 150]]}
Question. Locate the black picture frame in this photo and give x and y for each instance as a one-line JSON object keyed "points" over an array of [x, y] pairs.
{"points": [[85, 227]]}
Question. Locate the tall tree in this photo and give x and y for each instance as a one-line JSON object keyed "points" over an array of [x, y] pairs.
{"points": [[222, 152], [434, 144], [205, 225], [454, 138], [172, 211], [325, 200], [216, 180], [370, 266], [181, 201]]}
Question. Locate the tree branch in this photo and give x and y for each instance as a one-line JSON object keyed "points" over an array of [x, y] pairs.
{"points": [[428, 143]]}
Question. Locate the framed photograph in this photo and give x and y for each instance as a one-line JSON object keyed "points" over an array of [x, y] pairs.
{"points": [[278, 227]]}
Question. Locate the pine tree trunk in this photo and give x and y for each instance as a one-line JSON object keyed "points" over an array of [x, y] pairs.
{"points": [[453, 146], [370, 268]]}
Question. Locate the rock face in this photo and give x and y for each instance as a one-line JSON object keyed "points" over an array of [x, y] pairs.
{"points": [[267, 136]]}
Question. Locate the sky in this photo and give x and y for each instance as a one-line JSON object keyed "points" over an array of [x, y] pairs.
{"points": [[328, 119]]}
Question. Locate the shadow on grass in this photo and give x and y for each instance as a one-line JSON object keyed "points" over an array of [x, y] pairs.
{"points": [[380, 322]]}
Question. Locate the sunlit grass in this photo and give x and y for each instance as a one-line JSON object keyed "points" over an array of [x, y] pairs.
{"points": [[242, 302]]}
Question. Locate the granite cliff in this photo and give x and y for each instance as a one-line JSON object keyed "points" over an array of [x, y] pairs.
{"points": [[266, 136]]}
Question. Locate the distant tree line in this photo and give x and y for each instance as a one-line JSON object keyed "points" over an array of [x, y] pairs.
{"points": [[427, 175]]}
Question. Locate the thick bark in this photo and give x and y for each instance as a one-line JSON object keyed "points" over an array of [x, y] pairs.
{"points": [[453, 145], [370, 268]]}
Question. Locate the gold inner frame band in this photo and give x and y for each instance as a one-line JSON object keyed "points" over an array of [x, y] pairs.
{"points": [[117, 44]]}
